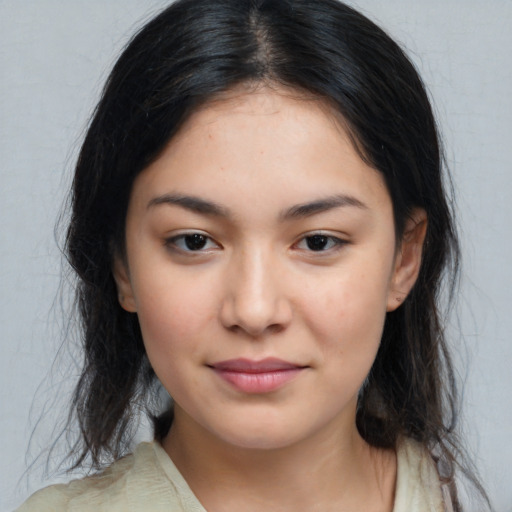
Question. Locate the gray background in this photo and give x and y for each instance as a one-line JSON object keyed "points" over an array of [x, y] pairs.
{"points": [[54, 56]]}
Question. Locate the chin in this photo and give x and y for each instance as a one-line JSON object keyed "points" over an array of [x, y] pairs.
{"points": [[255, 434], [261, 440]]}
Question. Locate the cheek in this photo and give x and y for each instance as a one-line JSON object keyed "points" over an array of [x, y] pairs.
{"points": [[173, 313], [347, 324], [348, 311]]}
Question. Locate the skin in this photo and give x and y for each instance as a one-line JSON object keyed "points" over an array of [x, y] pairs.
{"points": [[256, 289]]}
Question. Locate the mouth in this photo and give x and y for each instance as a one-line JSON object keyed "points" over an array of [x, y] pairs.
{"points": [[257, 377]]}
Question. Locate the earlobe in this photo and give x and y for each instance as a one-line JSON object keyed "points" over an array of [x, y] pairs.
{"points": [[408, 258], [124, 286]]}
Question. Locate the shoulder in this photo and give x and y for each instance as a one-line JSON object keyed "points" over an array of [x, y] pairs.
{"points": [[418, 488], [135, 482]]}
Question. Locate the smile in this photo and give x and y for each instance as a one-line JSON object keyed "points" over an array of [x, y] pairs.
{"points": [[256, 377]]}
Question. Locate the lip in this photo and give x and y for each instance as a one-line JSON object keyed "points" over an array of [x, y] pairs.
{"points": [[251, 376]]}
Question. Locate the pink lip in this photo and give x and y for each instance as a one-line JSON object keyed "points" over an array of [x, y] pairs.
{"points": [[257, 376]]}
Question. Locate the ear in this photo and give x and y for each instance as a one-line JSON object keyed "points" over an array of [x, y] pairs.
{"points": [[124, 286], [408, 258]]}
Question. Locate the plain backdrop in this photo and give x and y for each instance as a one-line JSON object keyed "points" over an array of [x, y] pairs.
{"points": [[54, 57]]}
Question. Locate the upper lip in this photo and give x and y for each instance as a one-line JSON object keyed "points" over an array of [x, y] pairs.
{"points": [[241, 365]]}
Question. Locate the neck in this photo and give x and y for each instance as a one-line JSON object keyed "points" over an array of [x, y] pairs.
{"points": [[332, 470]]}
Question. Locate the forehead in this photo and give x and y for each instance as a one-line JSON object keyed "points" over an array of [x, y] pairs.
{"points": [[268, 102], [249, 144]]}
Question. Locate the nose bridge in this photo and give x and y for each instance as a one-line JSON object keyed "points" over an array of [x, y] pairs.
{"points": [[256, 298]]}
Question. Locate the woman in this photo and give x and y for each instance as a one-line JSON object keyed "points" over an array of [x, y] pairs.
{"points": [[259, 226]]}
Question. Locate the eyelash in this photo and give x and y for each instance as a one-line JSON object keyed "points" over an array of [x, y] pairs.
{"points": [[179, 243], [336, 243], [173, 243]]}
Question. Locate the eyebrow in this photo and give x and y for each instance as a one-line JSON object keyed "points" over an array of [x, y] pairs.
{"points": [[210, 208], [321, 205], [194, 204]]}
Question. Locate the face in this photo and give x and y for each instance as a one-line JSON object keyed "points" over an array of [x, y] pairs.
{"points": [[261, 260]]}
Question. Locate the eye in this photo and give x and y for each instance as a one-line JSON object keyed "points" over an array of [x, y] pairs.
{"points": [[191, 242], [319, 242]]}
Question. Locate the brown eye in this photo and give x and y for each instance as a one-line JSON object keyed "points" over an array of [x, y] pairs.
{"points": [[317, 242], [191, 242], [195, 242]]}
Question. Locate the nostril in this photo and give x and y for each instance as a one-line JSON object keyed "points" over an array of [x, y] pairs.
{"points": [[275, 328], [256, 333]]}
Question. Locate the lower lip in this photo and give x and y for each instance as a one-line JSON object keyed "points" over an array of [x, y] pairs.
{"points": [[256, 382]]}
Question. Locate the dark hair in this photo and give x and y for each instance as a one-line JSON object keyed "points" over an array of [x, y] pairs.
{"points": [[188, 55]]}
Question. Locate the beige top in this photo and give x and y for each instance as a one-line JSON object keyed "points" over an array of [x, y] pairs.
{"points": [[149, 481]]}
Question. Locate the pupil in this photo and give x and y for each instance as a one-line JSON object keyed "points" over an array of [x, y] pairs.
{"points": [[317, 242], [195, 242]]}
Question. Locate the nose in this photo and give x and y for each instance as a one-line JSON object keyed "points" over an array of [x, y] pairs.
{"points": [[255, 301]]}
